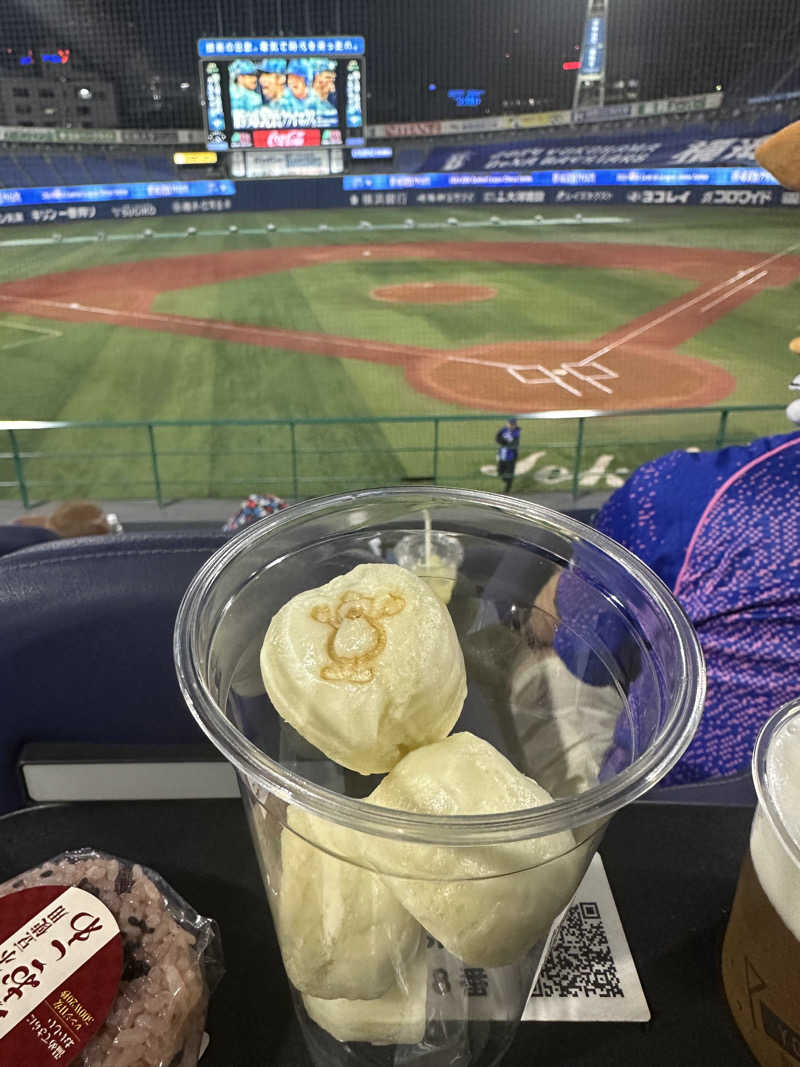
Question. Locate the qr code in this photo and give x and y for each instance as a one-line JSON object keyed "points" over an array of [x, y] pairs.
{"points": [[580, 963]]}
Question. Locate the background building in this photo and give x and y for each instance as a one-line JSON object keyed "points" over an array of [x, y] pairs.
{"points": [[67, 100]]}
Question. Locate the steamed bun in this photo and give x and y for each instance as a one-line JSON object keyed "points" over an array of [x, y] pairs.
{"points": [[367, 667], [396, 1018], [487, 904], [342, 932]]}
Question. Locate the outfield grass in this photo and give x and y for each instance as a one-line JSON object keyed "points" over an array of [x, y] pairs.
{"points": [[94, 371]]}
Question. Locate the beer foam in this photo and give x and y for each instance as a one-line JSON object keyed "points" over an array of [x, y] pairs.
{"points": [[783, 776], [776, 863]]}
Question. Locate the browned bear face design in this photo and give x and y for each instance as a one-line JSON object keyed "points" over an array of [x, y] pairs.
{"points": [[357, 636]]}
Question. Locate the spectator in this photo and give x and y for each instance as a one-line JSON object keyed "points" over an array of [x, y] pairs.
{"points": [[722, 530], [251, 510]]}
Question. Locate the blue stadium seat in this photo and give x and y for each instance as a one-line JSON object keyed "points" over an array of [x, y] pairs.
{"points": [[70, 170], [13, 538], [38, 170], [10, 174], [86, 644], [132, 168], [100, 169], [159, 167]]}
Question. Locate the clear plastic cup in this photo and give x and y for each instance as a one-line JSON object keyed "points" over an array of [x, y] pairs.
{"points": [[761, 950], [389, 921]]}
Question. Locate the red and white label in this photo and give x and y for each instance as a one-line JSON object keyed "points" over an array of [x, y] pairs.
{"points": [[60, 968], [286, 138]]}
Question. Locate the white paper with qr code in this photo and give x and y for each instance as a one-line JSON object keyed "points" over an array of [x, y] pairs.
{"points": [[588, 976]]}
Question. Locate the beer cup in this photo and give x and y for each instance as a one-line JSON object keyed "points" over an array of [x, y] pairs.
{"points": [[761, 951]]}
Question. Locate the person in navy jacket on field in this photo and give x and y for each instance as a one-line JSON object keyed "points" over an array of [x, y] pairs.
{"points": [[507, 437]]}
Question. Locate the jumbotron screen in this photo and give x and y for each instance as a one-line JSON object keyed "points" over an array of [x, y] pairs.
{"points": [[283, 92]]}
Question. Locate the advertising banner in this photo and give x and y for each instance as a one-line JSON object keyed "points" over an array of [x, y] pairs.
{"points": [[655, 176], [46, 135], [593, 53], [664, 149], [303, 193], [676, 104], [543, 118], [116, 191], [319, 164], [578, 199]]}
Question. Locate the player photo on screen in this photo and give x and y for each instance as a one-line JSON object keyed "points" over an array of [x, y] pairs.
{"points": [[274, 94]]}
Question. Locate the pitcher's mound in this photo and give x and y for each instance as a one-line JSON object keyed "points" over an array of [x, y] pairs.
{"points": [[432, 293]]}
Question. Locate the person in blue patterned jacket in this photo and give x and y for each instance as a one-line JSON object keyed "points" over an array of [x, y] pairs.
{"points": [[722, 530]]}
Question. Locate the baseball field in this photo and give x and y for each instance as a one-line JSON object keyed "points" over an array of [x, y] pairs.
{"points": [[382, 314]]}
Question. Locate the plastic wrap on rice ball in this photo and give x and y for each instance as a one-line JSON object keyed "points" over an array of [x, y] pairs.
{"points": [[170, 962]]}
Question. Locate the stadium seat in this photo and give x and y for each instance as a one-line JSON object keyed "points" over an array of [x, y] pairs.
{"points": [[131, 168], [100, 169], [86, 644], [38, 170], [70, 170], [159, 167], [12, 537], [10, 174]]}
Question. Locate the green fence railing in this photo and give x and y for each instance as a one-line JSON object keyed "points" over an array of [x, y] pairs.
{"points": [[301, 457]]}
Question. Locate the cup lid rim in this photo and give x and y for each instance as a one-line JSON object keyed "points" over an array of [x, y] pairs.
{"points": [[767, 735]]}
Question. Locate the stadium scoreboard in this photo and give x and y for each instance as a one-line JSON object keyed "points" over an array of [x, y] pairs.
{"points": [[282, 92]]}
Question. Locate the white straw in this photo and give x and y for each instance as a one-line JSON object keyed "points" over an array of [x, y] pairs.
{"points": [[427, 515]]}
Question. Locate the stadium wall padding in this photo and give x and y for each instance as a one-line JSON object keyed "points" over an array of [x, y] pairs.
{"points": [[327, 193]]}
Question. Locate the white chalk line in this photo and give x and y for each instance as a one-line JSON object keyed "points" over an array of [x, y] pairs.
{"points": [[732, 292], [170, 320], [41, 331], [688, 304]]}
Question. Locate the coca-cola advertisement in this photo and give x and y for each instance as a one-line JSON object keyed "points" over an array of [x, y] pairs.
{"points": [[286, 138], [301, 93]]}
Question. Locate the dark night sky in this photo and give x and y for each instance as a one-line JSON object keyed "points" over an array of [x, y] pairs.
{"points": [[511, 48]]}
